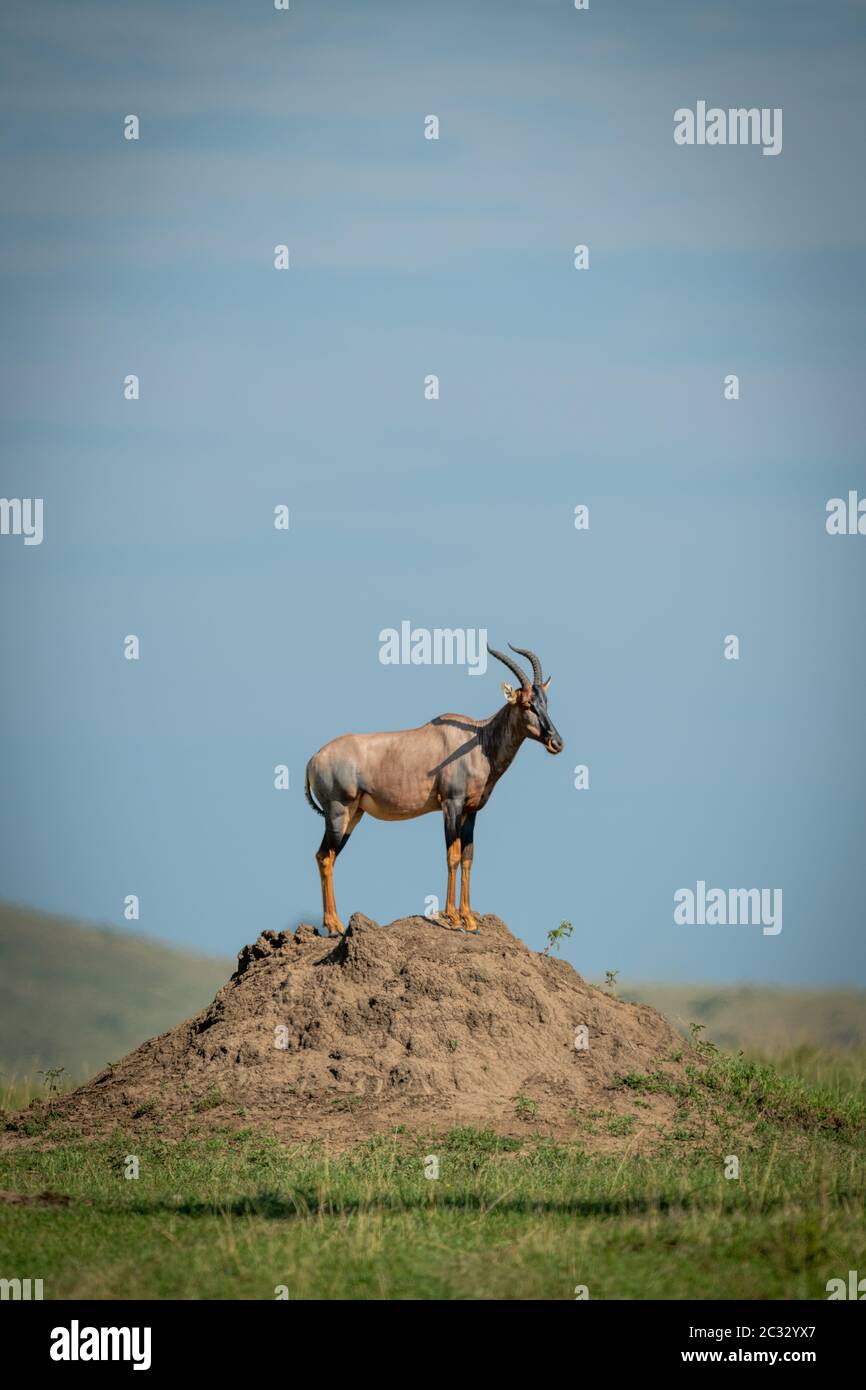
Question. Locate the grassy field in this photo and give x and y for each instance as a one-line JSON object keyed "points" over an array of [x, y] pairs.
{"points": [[232, 1216]]}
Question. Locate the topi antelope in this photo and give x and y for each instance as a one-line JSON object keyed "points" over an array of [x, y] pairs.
{"points": [[451, 764]]}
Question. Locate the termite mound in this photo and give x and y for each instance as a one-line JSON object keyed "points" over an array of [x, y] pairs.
{"points": [[408, 1027]]}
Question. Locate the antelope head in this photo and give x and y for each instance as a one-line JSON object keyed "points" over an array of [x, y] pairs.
{"points": [[530, 698]]}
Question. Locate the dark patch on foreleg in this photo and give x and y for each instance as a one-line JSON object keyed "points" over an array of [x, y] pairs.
{"points": [[467, 847], [452, 812]]}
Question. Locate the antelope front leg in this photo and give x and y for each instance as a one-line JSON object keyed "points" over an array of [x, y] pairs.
{"points": [[452, 848], [467, 837]]}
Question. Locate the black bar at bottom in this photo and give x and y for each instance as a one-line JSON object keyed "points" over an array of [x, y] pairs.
{"points": [[277, 1338]]}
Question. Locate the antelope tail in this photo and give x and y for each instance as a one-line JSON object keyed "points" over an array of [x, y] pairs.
{"points": [[309, 795]]}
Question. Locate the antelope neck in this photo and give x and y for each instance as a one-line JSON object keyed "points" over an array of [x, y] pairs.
{"points": [[501, 737]]}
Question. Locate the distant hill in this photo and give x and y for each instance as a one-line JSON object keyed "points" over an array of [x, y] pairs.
{"points": [[760, 1019], [78, 996]]}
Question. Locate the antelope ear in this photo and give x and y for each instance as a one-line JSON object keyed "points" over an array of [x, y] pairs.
{"points": [[546, 684], [509, 692]]}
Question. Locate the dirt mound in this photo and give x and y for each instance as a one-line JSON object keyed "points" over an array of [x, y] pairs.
{"points": [[407, 1025]]}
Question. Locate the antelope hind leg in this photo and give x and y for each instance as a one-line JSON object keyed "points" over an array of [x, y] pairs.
{"points": [[341, 822], [325, 857]]}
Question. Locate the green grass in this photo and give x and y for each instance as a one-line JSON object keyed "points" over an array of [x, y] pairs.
{"points": [[835, 1071], [234, 1216]]}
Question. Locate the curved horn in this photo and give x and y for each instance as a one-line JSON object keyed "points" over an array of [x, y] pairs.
{"points": [[536, 664], [512, 665]]}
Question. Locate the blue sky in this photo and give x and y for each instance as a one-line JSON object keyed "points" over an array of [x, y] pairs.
{"points": [[558, 387]]}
